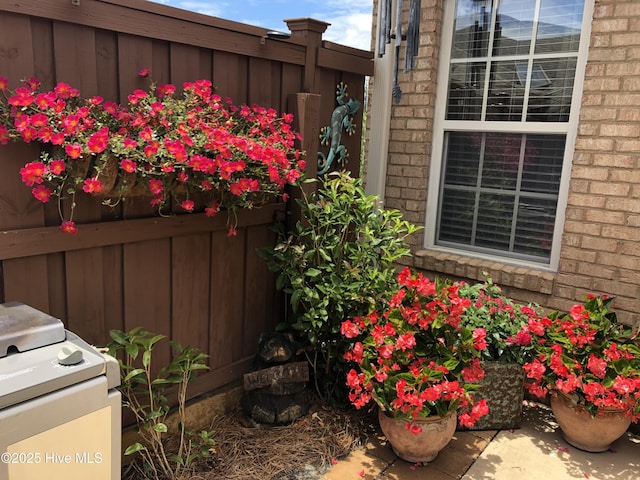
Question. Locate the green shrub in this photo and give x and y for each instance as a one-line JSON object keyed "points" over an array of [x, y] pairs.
{"points": [[337, 263]]}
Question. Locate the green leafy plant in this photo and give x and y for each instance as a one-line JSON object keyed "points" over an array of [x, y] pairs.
{"points": [[586, 355], [145, 395], [337, 263], [504, 321]]}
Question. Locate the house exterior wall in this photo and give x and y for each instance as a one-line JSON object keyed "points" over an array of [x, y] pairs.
{"points": [[600, 250]]}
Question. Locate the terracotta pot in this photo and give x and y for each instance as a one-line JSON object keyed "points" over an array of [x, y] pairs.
{"points": [[580, 429], [436, 433]]}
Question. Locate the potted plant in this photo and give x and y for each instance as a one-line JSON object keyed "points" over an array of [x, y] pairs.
{"points": [[420, 365], [509, 347], [336, 263], [589, 364], [191, 148]]}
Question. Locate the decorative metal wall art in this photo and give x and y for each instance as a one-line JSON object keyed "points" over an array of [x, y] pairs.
{"points": [[341, 119]]}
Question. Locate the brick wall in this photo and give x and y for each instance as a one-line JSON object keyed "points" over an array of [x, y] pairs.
{"points": [[600, 249], [600, 245]]}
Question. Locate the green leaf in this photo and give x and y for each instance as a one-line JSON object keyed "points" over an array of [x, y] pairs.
{"points": [[136, 447], [132, 350], [313, 272], [146, 358], [133, 373], [160, 427], [118, 336]]}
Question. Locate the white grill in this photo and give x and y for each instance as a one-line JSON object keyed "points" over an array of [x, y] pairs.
{"points": [[60, 412]]}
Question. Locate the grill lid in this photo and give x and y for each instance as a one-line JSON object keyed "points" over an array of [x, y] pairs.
{"points": [[26, 328]]}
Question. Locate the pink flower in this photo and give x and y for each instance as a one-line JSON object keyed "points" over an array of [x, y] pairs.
{"points": [[597, 366], [32, 173], [349, 329], [188, 205], [68, 227], [522, 338], [73, 150], [92, 185], [98, 141], [41, 193], [212, 209], [155, 186], [479, 338], [128, 165], [405, 341]]}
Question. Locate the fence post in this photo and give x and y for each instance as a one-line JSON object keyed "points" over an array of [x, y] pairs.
{"points": [[311, 30], [306, 113]]}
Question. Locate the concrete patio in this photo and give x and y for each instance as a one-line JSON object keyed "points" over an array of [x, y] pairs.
{"points": [[535, 451]]}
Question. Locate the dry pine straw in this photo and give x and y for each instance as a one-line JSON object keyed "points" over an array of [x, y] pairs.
{"points": [[264, 452]]}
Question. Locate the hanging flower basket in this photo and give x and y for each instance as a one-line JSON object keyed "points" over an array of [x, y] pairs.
{"points": [[165, 146]]}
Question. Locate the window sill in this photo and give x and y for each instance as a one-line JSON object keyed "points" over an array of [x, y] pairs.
{"points": [[472, 268]]}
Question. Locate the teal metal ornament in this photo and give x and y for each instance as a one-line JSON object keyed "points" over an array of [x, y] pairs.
{"points": [[341, 119]]}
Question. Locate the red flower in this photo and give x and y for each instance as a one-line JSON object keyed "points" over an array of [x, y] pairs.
{"points": [[128, 165], [98, 141], [68, 227], [405, 341], [188, 205], [73, 150], [349, 329], [155, 186], [480, 338], [92, 185], [535, 369], [41, 193], [597, 366], [32, 173], [212, 209]]}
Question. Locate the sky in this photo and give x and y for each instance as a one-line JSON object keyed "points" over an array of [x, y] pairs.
{"points": [[350, 19]]}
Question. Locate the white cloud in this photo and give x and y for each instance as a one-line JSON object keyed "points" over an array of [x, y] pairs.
{"points": [[198, 6], [350, 22], [350, 19], [352, 29]]}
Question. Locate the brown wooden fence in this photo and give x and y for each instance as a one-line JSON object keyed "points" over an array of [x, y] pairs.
{"points": [[180, 275]]}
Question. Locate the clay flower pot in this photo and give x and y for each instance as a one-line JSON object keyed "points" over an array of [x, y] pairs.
{"points": [[580, 429], [424, 446]]}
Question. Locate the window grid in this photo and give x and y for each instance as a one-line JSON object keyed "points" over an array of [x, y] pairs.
{"points": [[532, 213]]}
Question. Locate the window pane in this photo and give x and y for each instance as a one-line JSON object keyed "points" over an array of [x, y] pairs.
{"points": [[492, 180], [471, 29], [514, 27], [506, 93], [542, 165], [463, 158], [551, 90], [559, 26], [534, 232], [456, 216], [495, 215], [501, 160], [466, 87]]}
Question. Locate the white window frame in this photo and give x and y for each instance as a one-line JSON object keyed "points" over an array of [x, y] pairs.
{"points": [[570, 128]]}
